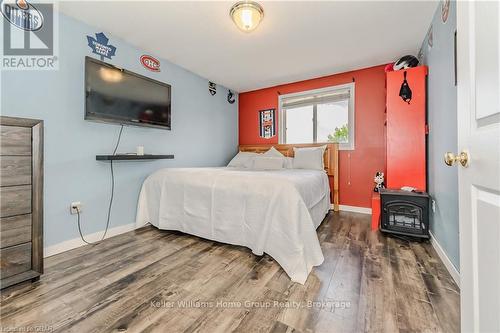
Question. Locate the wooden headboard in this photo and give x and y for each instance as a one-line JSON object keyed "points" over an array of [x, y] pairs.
{"points": [[331, 161]]}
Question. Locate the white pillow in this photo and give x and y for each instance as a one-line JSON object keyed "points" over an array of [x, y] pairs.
{"points": [[242, 160], [267, 163], [309, 158], [273, 152]]}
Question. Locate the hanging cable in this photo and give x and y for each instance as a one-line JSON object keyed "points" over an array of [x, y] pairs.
{"points": [[80, 228], [108, 218]]}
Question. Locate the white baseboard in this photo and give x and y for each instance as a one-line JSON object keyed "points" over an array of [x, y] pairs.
{"points": [[77, 242], [446, 261], [355, 209]]}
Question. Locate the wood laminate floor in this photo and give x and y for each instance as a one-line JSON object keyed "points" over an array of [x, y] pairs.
{"points": [[160, 281]]}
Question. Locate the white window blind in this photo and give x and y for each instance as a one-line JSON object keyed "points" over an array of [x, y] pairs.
{"points": [[331, 97]]}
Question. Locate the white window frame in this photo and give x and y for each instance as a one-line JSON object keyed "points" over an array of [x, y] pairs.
{"points": [[351, 107]]}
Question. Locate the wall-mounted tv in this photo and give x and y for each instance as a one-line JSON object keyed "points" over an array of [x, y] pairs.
{"points": [[120, 96]]}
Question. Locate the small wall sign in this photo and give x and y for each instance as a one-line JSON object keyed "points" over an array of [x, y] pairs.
{"points": [[100, 46], [150, 63], [267, 123], [22, 15], [230, 97], [212, 88]]}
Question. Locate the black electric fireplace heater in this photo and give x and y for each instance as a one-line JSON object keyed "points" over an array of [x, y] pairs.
{"points": [[405, 213]]}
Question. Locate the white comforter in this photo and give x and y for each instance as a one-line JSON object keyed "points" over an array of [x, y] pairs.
{"points": [[275, 212]]}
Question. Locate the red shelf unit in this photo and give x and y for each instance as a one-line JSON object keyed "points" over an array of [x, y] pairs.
{"points": [[406, 130]]}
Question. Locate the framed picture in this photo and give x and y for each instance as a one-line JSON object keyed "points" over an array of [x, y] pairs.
{"points": [[267, 123]]}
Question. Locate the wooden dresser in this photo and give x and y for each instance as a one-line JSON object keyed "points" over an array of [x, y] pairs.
{"points": [[21, 200]]}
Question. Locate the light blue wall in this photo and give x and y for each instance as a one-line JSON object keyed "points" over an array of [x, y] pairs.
{"points": [[204, 133], [442, 118]]}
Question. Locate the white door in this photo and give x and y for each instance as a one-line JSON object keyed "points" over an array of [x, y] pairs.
{"points": [[478, 68]]}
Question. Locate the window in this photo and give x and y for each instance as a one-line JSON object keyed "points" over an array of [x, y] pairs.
{"points": [[318, 116]]}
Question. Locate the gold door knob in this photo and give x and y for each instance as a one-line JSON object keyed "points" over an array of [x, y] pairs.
{"points": [[450, 159]]}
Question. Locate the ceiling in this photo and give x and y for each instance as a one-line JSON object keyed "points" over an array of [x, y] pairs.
{"points": [[296, 40]]}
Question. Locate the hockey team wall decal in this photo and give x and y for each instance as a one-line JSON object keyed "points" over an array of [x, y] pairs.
{"points": [[267, 123], [150, 63], [230, 97], [22, 15], [212, 88], [100, 46]]}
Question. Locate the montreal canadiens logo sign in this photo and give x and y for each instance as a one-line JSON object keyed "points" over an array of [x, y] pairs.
{"points": [[150, 63]]}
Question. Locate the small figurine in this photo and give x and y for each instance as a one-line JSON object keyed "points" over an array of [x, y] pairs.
{"points": [[379, 181]]}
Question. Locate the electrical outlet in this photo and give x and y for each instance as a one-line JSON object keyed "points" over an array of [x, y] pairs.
{"points": [[74, 206], [433, 205]]}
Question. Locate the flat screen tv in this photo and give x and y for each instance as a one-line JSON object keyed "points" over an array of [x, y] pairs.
{"points": [[119, 96]]}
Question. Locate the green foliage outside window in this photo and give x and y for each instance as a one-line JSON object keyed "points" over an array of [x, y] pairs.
{"points": [[340, 135]]}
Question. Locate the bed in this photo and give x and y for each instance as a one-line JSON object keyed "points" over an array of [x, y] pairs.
{"points": [[274, 212]]}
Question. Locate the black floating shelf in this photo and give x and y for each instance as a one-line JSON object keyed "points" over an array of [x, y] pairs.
{"points": [[130, 157]]}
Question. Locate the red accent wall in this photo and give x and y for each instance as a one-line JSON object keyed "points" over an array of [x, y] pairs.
{"points": [[356, 167]]}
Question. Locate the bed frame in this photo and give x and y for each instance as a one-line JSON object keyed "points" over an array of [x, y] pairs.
{"points": [[331, 161]]}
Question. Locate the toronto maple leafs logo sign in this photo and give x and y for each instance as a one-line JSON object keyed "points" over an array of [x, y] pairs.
{"points": [[100, 46]]}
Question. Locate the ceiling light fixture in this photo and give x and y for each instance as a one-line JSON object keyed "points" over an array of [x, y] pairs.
{"points": [[247, 15]]}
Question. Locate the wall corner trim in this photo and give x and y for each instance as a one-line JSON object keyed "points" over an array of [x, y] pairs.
{"points": [[446, 261], [77, 242], [355, 209]]}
